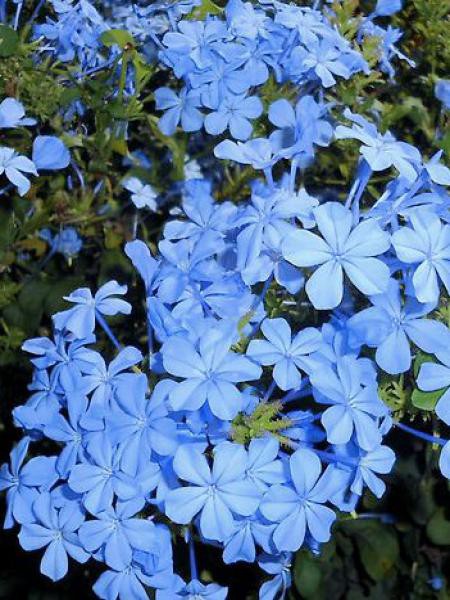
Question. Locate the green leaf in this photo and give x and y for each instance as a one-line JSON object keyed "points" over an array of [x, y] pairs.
{"points": [[118, 37], [426, 400], [9, 41], [207, 7], [438, 528], [58, 288], [378, 546], [419, 360], [308, 574]]}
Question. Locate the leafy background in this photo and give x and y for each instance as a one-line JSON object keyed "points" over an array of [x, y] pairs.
{"points": [[398, 548]]}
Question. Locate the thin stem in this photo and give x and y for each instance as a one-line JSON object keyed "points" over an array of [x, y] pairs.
{"points": [[434, 439], [301, 392], [135, 224], [149, 336], [269, 392], [104, 325], [192, 558], [17, 17], [294, 166], [257, 302], [328, 457], [33, 17], [269, 176], [123, 74]]}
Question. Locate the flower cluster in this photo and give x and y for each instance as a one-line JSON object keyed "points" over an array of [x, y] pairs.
{"points": [[239, 426], [223, 62]]}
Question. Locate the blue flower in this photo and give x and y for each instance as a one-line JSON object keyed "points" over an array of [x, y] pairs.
{"points": [[194, 590], [185, 263], [204, 215], [69, 432], [54, 529], [389, 324], [280, 567], [140, 425], [258, 152], [287, 354], [126, 583], [247, 534], [244, 21], [194, 40], [143, 261], [299, 128], [263, 225], [381, 151], [141, 194], [80, 320], [320, 60], [118, 532], [444, 460], [23, 482], [300, 509], [12, 114], [210, 373], [263, 465], [182, 108], [364, 467], [355, 406], [426, 245], [386, 8], [344, 249], [103, 380], [216, 494], [13, 165], [233, 113], [67, 241], [442, 92], [100, 478], [435, 376], [68, 357], [50, 153]]}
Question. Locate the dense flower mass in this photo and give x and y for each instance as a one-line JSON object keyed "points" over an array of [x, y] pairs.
{"points": [[239, 425]]}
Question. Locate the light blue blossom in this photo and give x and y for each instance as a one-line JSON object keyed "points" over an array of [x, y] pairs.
{"points": [[355, 406], [50, 153], [210, 373], [301, 508], [435, 376], [14, 165], [12, 114], [389, 325], [118, 532], [182, 108], [343, 249], [142, 195], [381, 151], [80, 320], [287, 354], [216, 494], [426, 246], [233, 113], [56, 531]]}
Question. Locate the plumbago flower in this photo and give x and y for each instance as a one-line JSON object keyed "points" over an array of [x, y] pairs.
{"points": [[14, 165], [288, 355], [342, 248], [80, 320], [210, 374], [426, 246], [251, 417]]}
